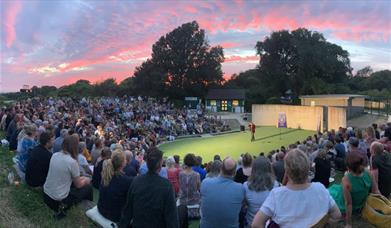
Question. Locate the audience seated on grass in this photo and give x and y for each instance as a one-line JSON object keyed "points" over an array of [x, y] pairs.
{"points": [[27, 142], [151, 200], [381, 168], [221, 198], [97, 174], [114, 187], [38, 163], [130, 168], [286, 206], [64, 172]]}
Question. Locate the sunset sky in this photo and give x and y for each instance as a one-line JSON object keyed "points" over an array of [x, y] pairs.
{"points": [[58, 42]]}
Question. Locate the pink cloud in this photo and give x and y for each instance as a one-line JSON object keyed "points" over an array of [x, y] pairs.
{"points": [[9, 22], [236, 58]]}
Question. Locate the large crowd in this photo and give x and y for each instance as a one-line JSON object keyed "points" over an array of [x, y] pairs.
{"points": [[68, 147]]}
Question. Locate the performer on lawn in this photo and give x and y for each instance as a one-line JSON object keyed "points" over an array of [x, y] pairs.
{"points": [[251, 126]]}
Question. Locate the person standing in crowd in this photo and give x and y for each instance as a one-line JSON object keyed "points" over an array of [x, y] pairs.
{"points": [[96, 151], [114, 187], [27, 143], [278, 167], [214, 169], [244, 172], [258, 187], [356, 186], [177, 159], [340, 154], [129, 168], [64, 173], [197, 167], [173, 174], [189, 184], [322, 168], [221, 198], [97, 174], [381, 168], [57, 146], [377, 133], [38, 163], [287, 207], [150, 200], [252, 128], [353, 148]]}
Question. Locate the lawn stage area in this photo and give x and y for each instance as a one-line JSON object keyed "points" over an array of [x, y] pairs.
{"points": [[234, 144]]}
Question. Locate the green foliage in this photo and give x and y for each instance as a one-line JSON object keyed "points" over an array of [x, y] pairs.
{"points": [[182, 64]]}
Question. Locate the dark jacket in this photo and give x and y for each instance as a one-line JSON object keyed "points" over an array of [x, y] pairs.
{"points": [[38, 166], [150, 203]]}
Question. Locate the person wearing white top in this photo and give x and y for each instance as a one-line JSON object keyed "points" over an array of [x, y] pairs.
{"points": [[299, 203]]}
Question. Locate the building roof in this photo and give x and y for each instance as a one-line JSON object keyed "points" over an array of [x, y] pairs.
{"points": [[228, 94], [343, 96]]}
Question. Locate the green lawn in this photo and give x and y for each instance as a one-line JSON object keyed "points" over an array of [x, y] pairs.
{"points": [[234, 144]]}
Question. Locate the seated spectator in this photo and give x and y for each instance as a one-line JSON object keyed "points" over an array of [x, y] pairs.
{"points": [[57, 146], [216, 157], [286, 205], [83, 163], [97, 174], [114, 187], [244, 172], [340, 154], [27, 143], [151, 200], [85, 152], [322, 168], [353, 148], [278, 167], [129, 168], [221, 198], [258, 187], [63, 173], [189, 182], [381, 168], [214, 169], [197, 167], [356, 186], [173, 174], [96, 151], [38, 164]]}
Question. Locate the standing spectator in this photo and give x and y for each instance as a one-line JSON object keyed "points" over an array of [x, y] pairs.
{"points": [[177, 159], [150, 201], [381, 168], [278, 167], [129, 168], [322, 168], [340, 154], [377, 133], [96, 151], [63, 173], [173, 174], [27, 143], [244, 172], [197, 167], [57, 146], [370, 136], [114, 187], [97, 174], [189, 183], [38, 164], [286, 205], [214, 169], [221, 198], [258, 187], [353, 148]]}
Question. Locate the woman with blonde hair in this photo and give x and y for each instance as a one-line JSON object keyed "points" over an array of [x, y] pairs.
{"points": [[114, 187], [63, 173]]}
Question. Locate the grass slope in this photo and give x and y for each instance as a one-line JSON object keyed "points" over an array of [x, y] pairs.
{"points": [[234, 144]]}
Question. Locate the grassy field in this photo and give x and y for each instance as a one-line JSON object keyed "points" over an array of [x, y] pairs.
{"points": [[234, 144]]}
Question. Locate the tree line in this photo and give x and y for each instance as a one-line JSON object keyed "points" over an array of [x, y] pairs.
{"points": [[183, 63]]}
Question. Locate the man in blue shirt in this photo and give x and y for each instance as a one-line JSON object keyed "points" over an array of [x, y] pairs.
{"points": [[221, 198], [199, 169]]}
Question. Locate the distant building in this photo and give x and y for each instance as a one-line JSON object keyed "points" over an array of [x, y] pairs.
{"points": [[225, 100], [192, 102], [25, 89], [353, 103]]}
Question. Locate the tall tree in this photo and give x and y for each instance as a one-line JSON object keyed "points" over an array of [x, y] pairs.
{"points": [[293, 60], [184, 62]]}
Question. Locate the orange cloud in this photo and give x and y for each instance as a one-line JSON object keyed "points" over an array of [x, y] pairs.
{"points": [[9, 22]]}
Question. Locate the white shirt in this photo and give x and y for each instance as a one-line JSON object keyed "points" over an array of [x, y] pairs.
{"points": [[298, 208]]}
